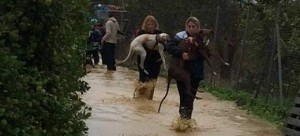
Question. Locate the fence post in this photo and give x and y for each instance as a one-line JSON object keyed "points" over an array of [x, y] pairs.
{"points": [[216, 25], [270, 65], [279, 55], [242, 47], [215, 39]]}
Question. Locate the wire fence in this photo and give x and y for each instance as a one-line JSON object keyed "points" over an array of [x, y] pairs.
{"points": [[256, 65]]}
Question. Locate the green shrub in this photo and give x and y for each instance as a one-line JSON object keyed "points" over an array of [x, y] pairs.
{"points": [[42, 45], [265, 108]]}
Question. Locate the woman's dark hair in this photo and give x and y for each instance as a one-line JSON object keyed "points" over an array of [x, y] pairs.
{"points": [[99, 24]]}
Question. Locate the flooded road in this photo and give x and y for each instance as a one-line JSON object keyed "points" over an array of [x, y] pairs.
{"points": [[116, 113]]}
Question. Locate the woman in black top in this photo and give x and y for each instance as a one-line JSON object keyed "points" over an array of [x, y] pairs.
{"points": [[152, 62], [194, 66]]}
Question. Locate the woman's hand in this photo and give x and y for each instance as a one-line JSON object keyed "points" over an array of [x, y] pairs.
{"points": [[185, 56]]}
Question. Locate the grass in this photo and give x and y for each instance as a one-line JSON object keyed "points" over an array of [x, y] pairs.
{"points": [[263, 107]]}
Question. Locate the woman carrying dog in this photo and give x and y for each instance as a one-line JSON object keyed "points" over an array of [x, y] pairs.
{"points": [[195, 68], [152, 64]]}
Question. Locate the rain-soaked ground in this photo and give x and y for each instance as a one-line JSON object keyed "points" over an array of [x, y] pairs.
{"points": [[116, 113]]}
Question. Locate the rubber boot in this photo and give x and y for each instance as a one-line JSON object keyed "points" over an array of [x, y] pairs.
{"points": [[151, 88], [185, 113], [186, 118], [179, 124], [140, 89]]}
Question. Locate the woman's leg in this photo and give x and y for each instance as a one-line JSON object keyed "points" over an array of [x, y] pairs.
{"points": [[153, 68], [96, 56], [111, 56], [140, 87], [185, 101], [190, 102], [143, 77], [104, 53]]}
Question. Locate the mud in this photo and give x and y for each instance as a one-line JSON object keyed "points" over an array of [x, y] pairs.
{"points": [[116, 113]]}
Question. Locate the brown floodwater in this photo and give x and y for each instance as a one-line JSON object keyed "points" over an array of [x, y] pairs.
{"points": [[116, 113]]}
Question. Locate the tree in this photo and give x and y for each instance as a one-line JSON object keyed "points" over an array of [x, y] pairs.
{"points": [[42, 44]]}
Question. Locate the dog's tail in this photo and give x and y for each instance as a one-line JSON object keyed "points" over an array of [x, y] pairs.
{"points": [[128, 56], [168, 86]]}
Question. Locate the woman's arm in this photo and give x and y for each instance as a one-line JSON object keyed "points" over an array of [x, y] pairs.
{"points": [[172, 47], [107, 31]]}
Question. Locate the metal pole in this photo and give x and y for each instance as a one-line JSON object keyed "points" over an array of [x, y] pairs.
{"points": [[242, 46], [270, 65], [215, 38], [122, 16], [279, 55], [216, 25]]}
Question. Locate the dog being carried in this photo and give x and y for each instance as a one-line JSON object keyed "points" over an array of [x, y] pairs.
{"points": [[178, 67], [150, 41]]}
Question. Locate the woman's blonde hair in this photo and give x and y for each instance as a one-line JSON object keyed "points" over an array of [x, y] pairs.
{"points": [[149, 18], [193, 20]]}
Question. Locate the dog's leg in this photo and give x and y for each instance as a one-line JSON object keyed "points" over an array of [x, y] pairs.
{"points": [[209, 51], [205, 55], [143, 55], [181, 75], [177, 72], [213, 70], [220, 59], [161, 53], [187, 81]]}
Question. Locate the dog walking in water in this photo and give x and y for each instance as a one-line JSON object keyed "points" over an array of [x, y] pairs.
{"points": [[151, 41]]}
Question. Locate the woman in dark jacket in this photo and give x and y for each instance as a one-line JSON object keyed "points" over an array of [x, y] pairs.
{"points": [[194, 66], [152, 64]]}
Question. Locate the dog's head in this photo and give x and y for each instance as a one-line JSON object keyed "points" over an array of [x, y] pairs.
{"points": [[206, 35], [163, 37], [203, 36], [207, 32]]}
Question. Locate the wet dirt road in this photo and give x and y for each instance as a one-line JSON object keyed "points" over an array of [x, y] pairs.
{"points": [[116, 113]]}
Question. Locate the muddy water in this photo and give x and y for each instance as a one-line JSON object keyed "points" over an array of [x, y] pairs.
{"points": [[116, 113]]}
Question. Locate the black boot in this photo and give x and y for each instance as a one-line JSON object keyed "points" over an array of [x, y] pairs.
{"points": [[185, 113]]}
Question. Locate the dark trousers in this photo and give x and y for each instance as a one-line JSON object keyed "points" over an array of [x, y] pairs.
{"points": [[153, 68], [101, 53], [94, 54], [186, 101], [152, 65], [108, 57]]}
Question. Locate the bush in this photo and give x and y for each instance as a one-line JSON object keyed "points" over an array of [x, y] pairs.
{"points": [[42, 44]]}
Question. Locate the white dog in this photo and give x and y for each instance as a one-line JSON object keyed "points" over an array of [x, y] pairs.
{"points": [[153, 42]]}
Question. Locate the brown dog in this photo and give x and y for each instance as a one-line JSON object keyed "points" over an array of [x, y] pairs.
{"points": [[191, 45], [205, 49]]}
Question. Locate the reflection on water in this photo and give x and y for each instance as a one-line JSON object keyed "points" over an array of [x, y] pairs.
{"points": [[116, 113]]}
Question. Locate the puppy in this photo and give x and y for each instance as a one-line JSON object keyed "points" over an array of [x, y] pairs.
{"points": [[153, 42]]}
